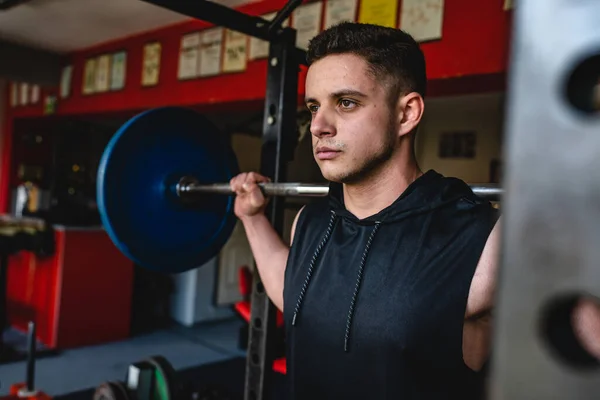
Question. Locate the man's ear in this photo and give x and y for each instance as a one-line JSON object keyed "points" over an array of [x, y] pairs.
{"points": [[410, 112]]}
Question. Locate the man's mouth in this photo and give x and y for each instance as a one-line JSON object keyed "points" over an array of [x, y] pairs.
{"points": [[326, 153]]}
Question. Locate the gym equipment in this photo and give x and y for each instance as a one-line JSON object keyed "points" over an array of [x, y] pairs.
{"points": [[187, 187], [279, 142], [243, 308], [157, 194], [166, 387], [550, 231], [17, 234], [27, 390], [155, 379], [136, 189], [141, 380], [113, 390], [150, 379]]}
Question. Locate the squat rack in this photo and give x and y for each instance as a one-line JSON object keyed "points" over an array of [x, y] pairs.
{"points": [[279, 139]]}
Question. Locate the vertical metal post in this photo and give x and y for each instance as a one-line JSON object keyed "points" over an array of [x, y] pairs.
{"points": [[4, 350], [551, 233], [279, 140], [31, 350]]}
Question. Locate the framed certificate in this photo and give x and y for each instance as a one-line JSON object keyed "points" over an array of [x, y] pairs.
{"points": [[24, 94], [89, 76], [211, 44], [189, 56], [259, 48], [118, 70], [35, 94], [151, 64], [307, 21], [65, 81], [422, 19], [234, 57], [103, 73], [337, 11], [379, 12]]}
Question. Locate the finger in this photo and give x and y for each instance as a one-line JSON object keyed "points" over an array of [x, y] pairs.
{"points": [[250, 182], [252, 188], [252, 177], [255, 195], [237, 182], [256, 177]]}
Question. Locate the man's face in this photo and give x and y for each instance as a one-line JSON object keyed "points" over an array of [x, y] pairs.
{"points": [[353, 127]]}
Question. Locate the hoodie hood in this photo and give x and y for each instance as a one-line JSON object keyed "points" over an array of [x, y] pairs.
{"points": [[428, 192]]}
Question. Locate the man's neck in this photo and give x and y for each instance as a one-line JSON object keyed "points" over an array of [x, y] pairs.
{"points": [[380, 190]]}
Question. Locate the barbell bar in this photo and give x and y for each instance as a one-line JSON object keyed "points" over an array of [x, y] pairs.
{"points": [[187, 185], [161, 193]]}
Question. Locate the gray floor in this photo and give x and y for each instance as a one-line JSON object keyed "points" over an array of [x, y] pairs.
{"points": [[87, 367]]}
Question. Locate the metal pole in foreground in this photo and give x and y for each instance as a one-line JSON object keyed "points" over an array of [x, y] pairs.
{"points": [[31, 342], [551, 218], [28, 391], [279, 140], [292, 189]]}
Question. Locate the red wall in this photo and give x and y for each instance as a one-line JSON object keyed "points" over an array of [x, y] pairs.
{"points": [[475, 44]]}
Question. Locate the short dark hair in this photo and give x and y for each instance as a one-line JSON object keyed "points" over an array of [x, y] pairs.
{"points": [[390, 53]]}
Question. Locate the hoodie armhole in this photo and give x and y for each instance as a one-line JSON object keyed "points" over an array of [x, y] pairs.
{"points": [[294, 224]]}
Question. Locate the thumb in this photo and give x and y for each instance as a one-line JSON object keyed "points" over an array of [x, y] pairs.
{"points": [[256, 197]]}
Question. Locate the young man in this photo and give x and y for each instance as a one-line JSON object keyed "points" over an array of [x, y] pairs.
{"points": [[387, 286]]}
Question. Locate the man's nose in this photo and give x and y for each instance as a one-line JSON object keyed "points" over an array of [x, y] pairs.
{"points": [[322, 124]]}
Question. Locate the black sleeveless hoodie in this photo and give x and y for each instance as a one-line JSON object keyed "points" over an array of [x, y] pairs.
{"points": [[374, 308]]}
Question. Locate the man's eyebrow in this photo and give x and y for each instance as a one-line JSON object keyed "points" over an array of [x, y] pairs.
{"points": [[338, 94], [348, 92]]}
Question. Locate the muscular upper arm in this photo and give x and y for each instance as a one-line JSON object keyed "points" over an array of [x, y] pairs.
{"points": [[477, 330], [483, 285], [292, 233]]}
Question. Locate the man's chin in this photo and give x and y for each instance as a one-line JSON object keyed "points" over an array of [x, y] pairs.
{"points": [[334, 176], [330, 177]]}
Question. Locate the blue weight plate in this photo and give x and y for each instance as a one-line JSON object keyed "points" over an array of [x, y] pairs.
{"points": [[135, 188]]}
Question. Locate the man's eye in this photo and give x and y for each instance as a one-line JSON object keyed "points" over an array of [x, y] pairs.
{"points": [[347, 103], [312, 108]]}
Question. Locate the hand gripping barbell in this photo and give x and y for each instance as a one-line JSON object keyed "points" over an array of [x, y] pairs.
{"points": [[160, 195]]}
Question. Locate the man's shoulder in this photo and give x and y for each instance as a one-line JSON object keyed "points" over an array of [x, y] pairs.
{"points": [[469, 213], [313, 211], [317, 205]]}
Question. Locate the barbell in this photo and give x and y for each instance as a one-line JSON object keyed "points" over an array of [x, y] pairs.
{"points": [[161, 193]]}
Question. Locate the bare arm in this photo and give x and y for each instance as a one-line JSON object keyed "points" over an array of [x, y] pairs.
{"points": [[483, 286], [478, 328], [270, 254], [477, 331], [586, 325]]}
